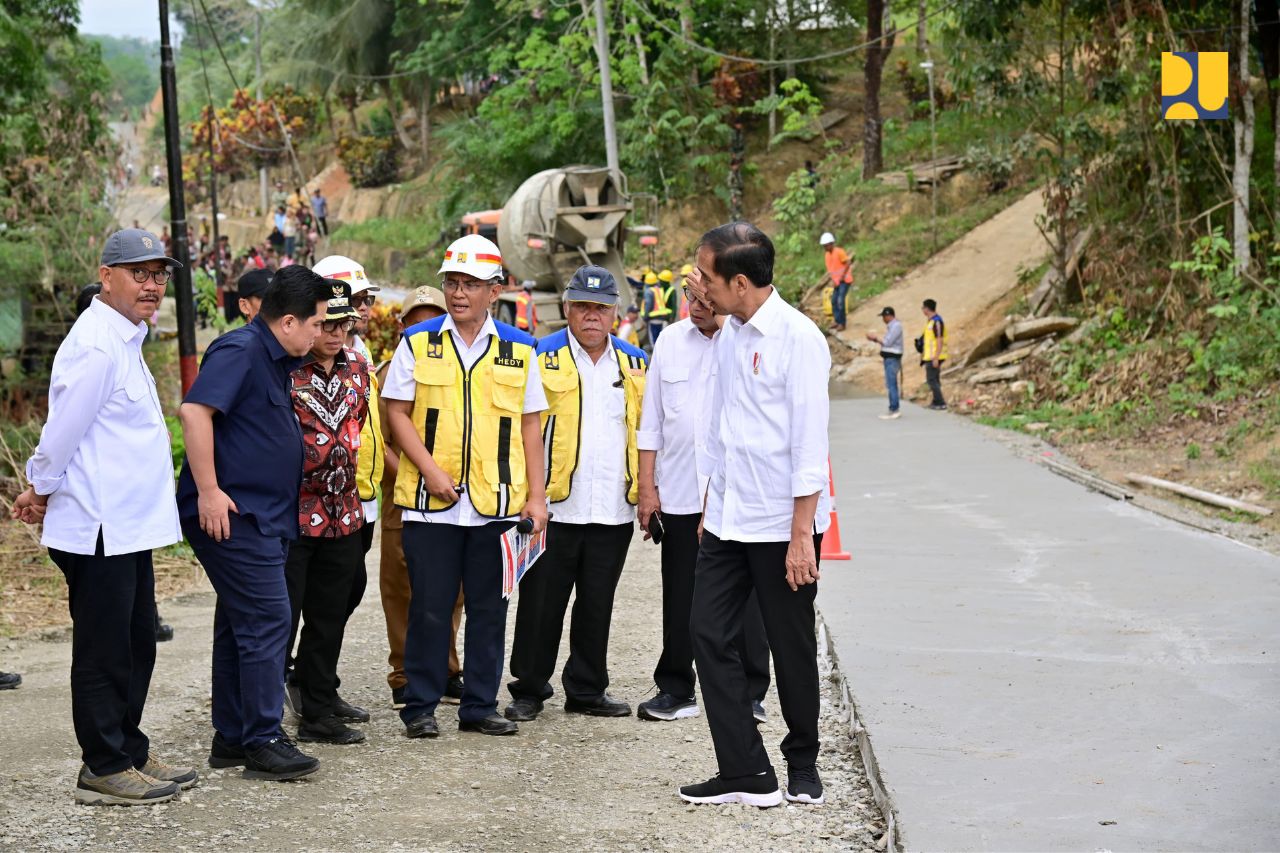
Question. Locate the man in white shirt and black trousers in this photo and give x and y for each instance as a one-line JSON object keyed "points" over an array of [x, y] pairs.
{"points": [[766, 510], [674, 423], [102, 482]]}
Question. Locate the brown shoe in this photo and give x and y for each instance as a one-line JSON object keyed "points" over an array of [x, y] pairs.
{"points": [[184, 777], [126, 788]]}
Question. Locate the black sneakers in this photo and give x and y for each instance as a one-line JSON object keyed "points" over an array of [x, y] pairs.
{"points": [[523, 710], [761, 790], [278, 760], [490, 725], [605, 706], [422, 726], [666, 707], [328, 729], [348, 713], [223, 754], [804, 785], [9, 680], [453, 690]]}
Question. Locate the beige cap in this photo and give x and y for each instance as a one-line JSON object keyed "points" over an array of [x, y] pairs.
{"points": [[424, 295]]}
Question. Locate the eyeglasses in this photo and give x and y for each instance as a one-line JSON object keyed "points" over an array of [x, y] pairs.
{"points": [[469, 286], [331, 326], [693, 296], [359, 300], [141, 274]]}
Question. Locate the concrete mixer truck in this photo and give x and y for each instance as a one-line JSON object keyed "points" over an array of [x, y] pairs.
{"points": [[558, 220]]}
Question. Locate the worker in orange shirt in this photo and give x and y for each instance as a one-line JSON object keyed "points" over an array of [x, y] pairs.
{"points": [[526, 311], [840, 273]]}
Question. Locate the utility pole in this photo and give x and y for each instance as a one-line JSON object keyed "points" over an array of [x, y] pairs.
{"points": [[927, 65], [177, 208], [606, 90], [257, 82]]}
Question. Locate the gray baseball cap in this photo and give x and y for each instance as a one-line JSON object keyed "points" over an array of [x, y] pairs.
{"points": [[134, 245], [592, 284]]}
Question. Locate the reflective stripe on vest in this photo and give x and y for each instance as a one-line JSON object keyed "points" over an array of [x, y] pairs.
{"points": [[469, 420], [562, 421], [526, 314], [661, 302]]}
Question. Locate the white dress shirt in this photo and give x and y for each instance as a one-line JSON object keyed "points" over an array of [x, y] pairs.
{"points": [[401, 386], [598, 491], [770, 410], [676, 415], [104, 457]]}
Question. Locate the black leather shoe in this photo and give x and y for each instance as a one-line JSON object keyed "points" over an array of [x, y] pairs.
{"points": [[348, 713], [523, 710], [278, 760], [328, 729], [605, 706], [9, 680], [223, 754], [490, 725], [423, 726], [453, 690]]}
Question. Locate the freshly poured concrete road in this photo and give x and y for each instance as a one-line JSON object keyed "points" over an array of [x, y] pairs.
{"points": [[1033, 660]]}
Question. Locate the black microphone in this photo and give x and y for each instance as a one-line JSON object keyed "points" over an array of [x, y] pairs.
{"points": [[525, 525]]}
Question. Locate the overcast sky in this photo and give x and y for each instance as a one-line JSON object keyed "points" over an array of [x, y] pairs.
{"points": [[124, 18]]}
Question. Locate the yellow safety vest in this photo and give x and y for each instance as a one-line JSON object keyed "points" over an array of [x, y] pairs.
{"points": [[469, 420], [931, 341], [661, 302], [562, 421], [373, 450]]}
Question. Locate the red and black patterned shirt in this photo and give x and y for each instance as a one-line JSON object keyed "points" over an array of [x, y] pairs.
{"points": [[331, 407]]}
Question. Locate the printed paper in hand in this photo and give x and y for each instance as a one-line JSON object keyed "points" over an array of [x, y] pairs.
{"points": [[519, 552]]}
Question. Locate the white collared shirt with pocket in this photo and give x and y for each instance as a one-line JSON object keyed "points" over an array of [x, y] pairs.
{"points": [[676, 415], [104, 457], [768, 445]]}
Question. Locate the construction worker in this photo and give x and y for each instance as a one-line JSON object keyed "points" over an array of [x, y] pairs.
{"points": [[423, 304], [685, 272], [934, 352], [463, 397], [526, 310], [594, 384], [627, 328], [658, 303], [840, 274]]}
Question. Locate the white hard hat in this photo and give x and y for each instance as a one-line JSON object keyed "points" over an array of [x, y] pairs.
{"points": [[827, 237], [474, 255], [344, 269]]}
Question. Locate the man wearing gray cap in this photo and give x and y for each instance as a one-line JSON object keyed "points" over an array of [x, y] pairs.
{"points": [[102, 482], [594, 384]]}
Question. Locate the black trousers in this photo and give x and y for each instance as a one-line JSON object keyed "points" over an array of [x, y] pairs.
{"points": [[726, 575], [323, 576], [933, 375], [443, 558], [113, 651], [674, 673], [588, 558]]}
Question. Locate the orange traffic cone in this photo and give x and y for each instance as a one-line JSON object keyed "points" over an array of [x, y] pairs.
{"points": [[831, 539]]}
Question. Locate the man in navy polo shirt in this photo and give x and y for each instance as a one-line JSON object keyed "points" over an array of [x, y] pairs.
{"points": [[238, 503]]}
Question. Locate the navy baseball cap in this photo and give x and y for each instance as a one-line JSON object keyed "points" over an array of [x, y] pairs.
{"points": [[132, 246], [254, 283], [592, 284]]}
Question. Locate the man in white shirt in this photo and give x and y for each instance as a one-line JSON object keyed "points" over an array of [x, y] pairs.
{"points": [[594, 384], [463, 399], [102, 481], [766, 510], [674, 423]]}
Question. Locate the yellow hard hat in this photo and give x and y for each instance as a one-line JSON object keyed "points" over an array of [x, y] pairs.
{"points": [[666, 276], [687, 269], [650, 278]]}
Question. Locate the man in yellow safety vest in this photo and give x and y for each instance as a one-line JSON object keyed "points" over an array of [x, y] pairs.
{"points": [[463, 398], [594, 384]]}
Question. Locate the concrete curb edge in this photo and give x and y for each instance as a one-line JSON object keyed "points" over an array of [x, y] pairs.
{"points": [[860, 735]]}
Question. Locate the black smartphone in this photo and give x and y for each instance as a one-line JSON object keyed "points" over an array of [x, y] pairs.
{"points": [[655, 528]]}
